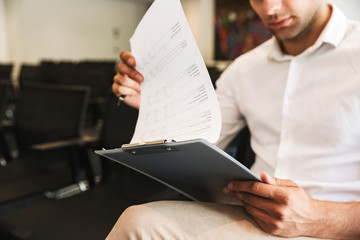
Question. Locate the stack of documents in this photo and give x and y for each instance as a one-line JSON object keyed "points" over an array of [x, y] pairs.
{"points": [[178, 100]]}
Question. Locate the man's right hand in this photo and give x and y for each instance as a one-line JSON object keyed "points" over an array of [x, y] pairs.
{"points": [[127, 80]]}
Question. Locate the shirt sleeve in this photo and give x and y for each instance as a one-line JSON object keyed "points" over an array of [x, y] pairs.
{"points": [[232, 119]]}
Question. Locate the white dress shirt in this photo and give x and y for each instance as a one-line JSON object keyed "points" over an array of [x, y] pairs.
{"points": [[303, 111]]}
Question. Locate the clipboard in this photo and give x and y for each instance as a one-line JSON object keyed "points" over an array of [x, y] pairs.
{"points": [[195, 168]]}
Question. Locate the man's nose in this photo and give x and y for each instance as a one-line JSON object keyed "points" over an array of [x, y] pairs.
{"points": [[272, 7]]}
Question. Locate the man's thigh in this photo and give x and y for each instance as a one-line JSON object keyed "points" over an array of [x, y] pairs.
{"points": [[186, 220]]}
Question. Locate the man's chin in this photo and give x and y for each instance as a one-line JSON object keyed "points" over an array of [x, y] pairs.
{"points": [[284, 36]]}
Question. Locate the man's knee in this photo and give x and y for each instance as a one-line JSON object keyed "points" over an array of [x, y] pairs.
{"points": [[136, 215], [132, 224]]}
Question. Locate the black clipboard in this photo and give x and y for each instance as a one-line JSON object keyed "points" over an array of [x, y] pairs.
{"points": [[195, 168]]}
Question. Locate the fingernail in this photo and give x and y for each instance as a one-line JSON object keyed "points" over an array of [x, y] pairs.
{"points": [[139, 77], [131, 61]]}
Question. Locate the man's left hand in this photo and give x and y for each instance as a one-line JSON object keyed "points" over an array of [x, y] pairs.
{"points": [[279, 207]]}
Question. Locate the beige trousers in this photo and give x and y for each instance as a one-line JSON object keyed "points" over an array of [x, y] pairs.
{"points": [[187, 220]]}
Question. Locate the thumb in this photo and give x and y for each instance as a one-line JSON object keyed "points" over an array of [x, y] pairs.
{"points": [[266, 178]]}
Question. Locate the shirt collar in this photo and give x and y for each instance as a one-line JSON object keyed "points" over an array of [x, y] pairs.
{"points": [[333, 34], [335, 30]]}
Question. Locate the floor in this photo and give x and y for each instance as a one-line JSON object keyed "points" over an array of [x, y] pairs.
{"points": [[89, 215]]}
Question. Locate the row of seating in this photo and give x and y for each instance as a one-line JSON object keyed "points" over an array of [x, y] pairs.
{"points": [[56, 175], [95, 74], [41, 118]]}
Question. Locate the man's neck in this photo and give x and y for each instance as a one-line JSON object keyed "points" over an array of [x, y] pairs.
{"points": [[302, 42]]}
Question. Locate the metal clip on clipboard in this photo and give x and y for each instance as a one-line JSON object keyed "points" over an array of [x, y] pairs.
{"points": [[149, 147]]}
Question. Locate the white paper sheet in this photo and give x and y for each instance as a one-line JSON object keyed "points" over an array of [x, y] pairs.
{"points": [[178, 100]]}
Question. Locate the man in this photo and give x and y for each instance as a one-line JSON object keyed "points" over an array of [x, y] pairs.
{"points": [[299, 93]]}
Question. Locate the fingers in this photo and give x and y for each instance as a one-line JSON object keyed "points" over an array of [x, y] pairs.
{"points": [[271, 188], [266, 178], [255, 188], [258, 207], [123, 85], [124, 80], [257, 213], [268, 225], [127, 80], [127, 58], [253, 200], [121, 90], [125, 69], [127, 66]]}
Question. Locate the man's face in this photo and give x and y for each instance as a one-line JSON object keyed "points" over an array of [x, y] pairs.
{"points": [[287, 19]]}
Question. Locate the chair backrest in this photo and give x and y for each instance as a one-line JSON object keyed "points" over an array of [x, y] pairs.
{"points": [[6, 71], [119, 124], [5, 88], [97, 75], [31, 73], [240, 148], [118, 128], [214, 74], [96, 79], [48, 112]]}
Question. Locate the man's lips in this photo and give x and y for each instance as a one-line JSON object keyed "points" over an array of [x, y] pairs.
{"points": [[280, 23]]}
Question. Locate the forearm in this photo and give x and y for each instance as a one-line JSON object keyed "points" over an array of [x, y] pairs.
{"points": [[339, 221]]}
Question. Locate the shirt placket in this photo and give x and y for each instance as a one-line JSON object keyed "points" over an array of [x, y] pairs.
{"points": [[285, 149]]}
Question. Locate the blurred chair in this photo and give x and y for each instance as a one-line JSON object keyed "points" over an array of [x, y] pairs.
{"points": [[107, 66], [48, 127], [6, 71], [214, 73], [5, 86], [100, 86], [51, 71], [119, 123], [240, 148], [30, 73], [97, 75]]}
